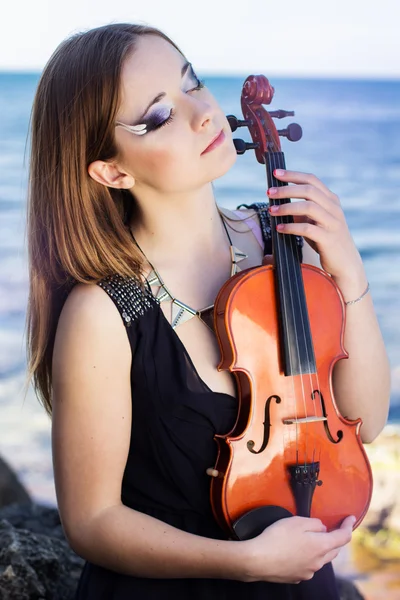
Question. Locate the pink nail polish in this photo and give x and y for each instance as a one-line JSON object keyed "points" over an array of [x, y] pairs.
{"points": [[279, 172], [272, 191]]}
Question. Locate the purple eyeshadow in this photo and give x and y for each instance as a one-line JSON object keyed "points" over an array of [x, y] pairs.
{"points": [[164, 113], [157, 117]]}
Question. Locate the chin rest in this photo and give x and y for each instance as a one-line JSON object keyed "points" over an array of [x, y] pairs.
{"points": [[254, 522]]}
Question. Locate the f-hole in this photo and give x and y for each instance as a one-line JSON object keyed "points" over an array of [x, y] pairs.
{"points": [[267, 426], [339, 433]]}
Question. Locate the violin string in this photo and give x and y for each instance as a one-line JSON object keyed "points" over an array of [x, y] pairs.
{"points": [[295, 248], [294, 289], [285, 241], [304, 318], [317, 382], [314, 377], [283, 307], [295, 252], [282, 254]]}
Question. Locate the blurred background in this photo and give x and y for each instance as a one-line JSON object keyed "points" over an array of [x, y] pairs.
{"points": [[337, 65]]}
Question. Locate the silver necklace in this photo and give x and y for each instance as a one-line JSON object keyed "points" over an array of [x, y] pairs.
{"points": [[181, 312]]}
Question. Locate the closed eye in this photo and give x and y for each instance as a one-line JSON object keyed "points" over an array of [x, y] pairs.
{"points": [[199, 84], [158, 120], [166, 122]]}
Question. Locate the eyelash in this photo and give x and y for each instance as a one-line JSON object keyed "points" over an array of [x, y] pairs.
{"points": [[199, 86]]}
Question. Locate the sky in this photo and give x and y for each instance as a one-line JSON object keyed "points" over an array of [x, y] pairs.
{"points": [[333, 38]]}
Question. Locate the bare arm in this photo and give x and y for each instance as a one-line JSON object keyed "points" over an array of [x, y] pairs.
{"points": [[91, 433], [361, 382]]}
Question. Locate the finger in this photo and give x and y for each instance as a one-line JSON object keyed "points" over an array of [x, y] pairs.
{"points": [[330, 556], [312, 232], [313, 211], [307, 192], [342, 536], [302, 219], [315, 525], [349, 520], [307, 178]]}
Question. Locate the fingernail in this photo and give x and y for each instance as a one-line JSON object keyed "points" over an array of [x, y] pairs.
{"points": [[274, 208], [279, 172], [272, 191]]}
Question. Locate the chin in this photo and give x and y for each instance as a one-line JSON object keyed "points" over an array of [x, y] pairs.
{"points": [[226, 162]]}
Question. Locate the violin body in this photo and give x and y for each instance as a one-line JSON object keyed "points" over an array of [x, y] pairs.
{"points": [[247, 326], [280, 330]]}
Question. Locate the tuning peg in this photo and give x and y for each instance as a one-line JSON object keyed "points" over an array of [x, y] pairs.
{"points": [[235, 123], [241, 146], [281, 114], [293, 132]]}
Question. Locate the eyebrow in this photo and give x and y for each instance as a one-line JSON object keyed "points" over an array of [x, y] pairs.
{"points": [[161, 95]]}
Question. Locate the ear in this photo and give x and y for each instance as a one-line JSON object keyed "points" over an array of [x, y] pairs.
{"points": [[110, 175]]}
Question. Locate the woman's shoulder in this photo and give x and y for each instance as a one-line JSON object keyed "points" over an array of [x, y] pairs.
{"points": [[131, 297], [126, 294], [88, 308], [89, 331], [252, 219], [240, 214], [249, 214], [244, 219]]}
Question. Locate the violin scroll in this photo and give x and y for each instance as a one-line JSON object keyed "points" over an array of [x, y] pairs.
{"points": [[257, 91]]}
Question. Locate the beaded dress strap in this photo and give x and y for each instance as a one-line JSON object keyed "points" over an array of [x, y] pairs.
{"points": [[131, 300], [265, 224]]}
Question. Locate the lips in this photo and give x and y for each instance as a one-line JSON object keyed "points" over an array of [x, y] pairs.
{"points": [[215, 140]]}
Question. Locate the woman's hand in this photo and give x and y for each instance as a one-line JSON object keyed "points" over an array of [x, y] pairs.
{"points": [[293, 549], [320, 220]]}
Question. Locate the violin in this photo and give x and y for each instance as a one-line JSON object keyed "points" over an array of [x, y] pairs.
{"points": [[280, 331]]}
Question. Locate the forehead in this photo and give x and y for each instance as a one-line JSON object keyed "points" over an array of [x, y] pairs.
{"points": [[147, 70]]}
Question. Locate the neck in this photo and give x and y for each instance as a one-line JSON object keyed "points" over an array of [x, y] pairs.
{"points": [[186, 226]]}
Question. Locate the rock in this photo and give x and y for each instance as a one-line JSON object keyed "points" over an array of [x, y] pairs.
{"points": [[36, 518], [36, 562], [384, 456], [35, 566], [11, 489]]}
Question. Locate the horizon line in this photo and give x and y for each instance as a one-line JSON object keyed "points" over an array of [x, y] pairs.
{"points": [[236, 74]]}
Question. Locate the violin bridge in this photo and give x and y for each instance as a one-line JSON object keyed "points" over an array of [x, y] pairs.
{"points": [[303, 420]]}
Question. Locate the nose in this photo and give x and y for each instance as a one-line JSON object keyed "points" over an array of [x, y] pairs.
{"points": [[202, 115]]}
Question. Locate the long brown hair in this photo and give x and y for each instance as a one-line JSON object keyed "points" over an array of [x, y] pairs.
{"points": [[76, 228]]}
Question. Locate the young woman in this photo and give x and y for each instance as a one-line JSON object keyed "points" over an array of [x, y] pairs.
{"points": [[126, 142]]}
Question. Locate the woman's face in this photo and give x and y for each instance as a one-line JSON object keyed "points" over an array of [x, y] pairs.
{"points": [[179, 120]]}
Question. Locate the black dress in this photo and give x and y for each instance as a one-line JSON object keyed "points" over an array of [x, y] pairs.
{"points": [[175, 416]]}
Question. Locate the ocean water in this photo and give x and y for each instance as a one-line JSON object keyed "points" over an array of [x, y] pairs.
{"points": [[351, 140]]}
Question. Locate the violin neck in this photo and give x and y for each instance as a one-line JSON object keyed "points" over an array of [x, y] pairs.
{"points": [[296, 341]]}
